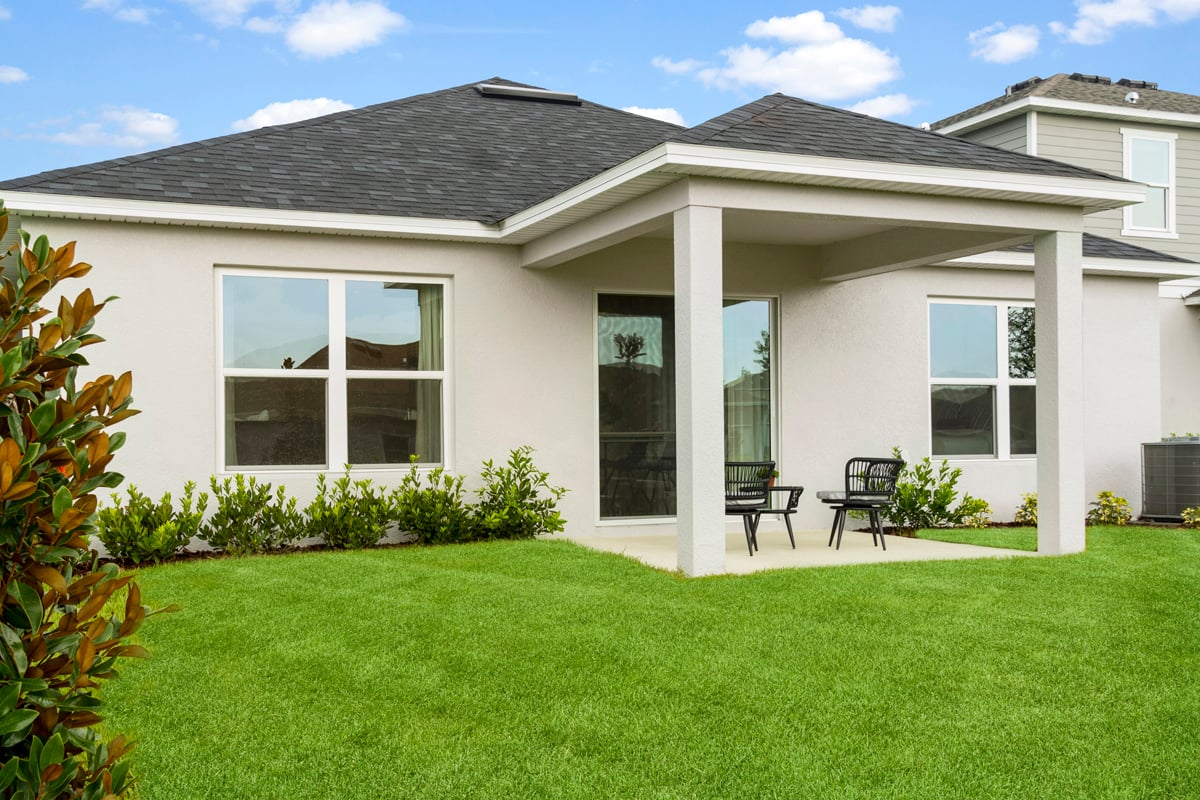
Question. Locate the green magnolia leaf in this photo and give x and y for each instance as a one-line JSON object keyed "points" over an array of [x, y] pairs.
{"points": [[62, 501], [8, 697], [42, 417], [53, 752], [8, 772], [17, 721], [26, 612]]}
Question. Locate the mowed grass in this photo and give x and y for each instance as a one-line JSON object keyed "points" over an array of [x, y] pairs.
{"points": [[1010, 538], [543, 670]]}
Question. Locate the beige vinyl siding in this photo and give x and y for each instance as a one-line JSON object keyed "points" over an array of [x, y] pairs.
{"points": [[1009, 135], [1097, 144]]}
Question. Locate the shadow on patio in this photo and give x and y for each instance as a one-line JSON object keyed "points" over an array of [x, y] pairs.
{"points": [[658, 549]]}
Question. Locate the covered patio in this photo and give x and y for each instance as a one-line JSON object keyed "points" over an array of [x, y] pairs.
{"points": [[659, 549]]}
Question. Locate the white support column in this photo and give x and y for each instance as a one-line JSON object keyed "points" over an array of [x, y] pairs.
{"points": [[699, 395], [1058, 292]]}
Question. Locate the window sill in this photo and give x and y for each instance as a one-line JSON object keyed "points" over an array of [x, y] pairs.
{"points": [[1137, 233]]}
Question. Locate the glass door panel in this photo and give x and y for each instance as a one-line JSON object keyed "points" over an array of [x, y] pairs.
{"points": [[747, 344]]}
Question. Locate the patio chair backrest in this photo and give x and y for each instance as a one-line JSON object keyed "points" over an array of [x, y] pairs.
{"points": [[872, 477], [746, 482]]}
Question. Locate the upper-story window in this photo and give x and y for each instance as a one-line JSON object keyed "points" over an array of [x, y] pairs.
{"points": [[1150, 159]]}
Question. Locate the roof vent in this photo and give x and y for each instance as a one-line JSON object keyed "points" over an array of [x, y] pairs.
{"points": [[1132, 84], [1009, 91], [1132, 98], [527, 93], [1100, 79]]}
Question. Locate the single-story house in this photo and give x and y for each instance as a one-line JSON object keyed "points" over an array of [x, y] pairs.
{"points": [[462, 272]]}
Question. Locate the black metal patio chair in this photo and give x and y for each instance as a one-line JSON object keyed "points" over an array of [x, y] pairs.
{"points": [[746, 494], [783, 509], [870, 485]]}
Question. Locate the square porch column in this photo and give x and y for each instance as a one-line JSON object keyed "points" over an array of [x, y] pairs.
{"points": [[699, 391], [1058, 296]]}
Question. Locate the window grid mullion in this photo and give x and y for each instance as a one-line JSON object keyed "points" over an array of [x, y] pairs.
{"points": [[337, 426], [1003, 421]]}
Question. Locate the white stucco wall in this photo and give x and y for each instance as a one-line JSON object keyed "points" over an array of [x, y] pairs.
{"points": [[852, 357], [1180, 334]]}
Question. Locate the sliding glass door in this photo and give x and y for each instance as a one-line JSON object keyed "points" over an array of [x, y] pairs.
{"points": [[636, 397]]}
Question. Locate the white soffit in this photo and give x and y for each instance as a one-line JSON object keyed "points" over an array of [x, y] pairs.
{"points": [[1126, 113], [1023, 261]]}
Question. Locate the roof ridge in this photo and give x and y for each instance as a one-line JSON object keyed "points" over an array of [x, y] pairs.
{"points": [[729, 120]]}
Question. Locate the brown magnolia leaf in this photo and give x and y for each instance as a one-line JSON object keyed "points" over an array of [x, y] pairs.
{"points": [[122, 415], [19, 490], [52, 772], [133, 651], [133, 600], [121, 389], [49, 576], [6, 476], [98, 448], [49, 337], [85, 307], [71, 519], [85, 655], [66, 313]]}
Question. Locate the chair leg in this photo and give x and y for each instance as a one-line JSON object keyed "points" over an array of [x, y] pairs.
{"points": [[833, 530], [877, 526], [841, 527], [754, 529], [749, 535], [787, 518]]}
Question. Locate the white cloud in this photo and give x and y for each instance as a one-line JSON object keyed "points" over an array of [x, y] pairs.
{"points": [[672, 67], [265, 25], [292, 111], [222, 12], [5, 14], [822, 63], [661, 114], [120, 11], [128, 127], [12, 75], [1000, 44], [887, 106], [335, 28], [873, 18], [811, 27], [1097, 22]]}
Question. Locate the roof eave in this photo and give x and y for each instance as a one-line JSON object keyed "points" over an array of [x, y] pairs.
{"points": [[1123, 113], [1092, 265]]}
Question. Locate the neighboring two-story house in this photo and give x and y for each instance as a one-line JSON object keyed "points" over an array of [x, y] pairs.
{"points": [[1133, 129]]}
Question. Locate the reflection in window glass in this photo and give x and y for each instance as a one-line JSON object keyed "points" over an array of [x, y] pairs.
{"points": [[964, 420], [274, 421], [1151, 161], [1021, 343], [747, 347], [392, 325], [274, 323], [1153, 212], [962, 340], [636, 385], [388, 420], [1022, 419]]}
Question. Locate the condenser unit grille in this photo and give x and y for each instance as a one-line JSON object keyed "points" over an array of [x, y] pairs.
{"points": [[1170, 479]]}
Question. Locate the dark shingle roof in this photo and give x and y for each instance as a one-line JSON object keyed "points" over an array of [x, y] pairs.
{"points": [[458, 154], [785, 124], [451, 154], [1103, 247], [1066, 87]]}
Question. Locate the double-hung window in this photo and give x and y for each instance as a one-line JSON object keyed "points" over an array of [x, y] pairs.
{"points": [[1150, 159], [318, 371], [982, 387]]}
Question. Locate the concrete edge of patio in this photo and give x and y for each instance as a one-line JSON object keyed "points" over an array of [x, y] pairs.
{"points": [[658, 549]]}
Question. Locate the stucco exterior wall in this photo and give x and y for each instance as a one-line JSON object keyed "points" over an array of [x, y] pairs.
{"points": [[852, 357], [1180, 334]]}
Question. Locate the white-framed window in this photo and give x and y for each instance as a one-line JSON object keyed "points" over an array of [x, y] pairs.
{"points": [[318, 370], [1149, 158], [982, 379]]}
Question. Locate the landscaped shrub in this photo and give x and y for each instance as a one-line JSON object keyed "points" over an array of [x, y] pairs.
{"points": [[249, 518], [976, 512], [139, 530], [1027, 511], [353, 514], [57, 643], [517, 500], [1108, 509], [928, 499], [1191, 517], [435, 513]]}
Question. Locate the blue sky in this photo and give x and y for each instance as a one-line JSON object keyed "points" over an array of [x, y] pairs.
{"points": [[87, 80]]}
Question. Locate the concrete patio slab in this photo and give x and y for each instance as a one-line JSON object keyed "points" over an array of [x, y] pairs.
{"points": [[657, 549]]}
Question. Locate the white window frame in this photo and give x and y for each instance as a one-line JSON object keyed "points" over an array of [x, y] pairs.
{"points": [[1002, 382], [1128, 137], [336, 375]]}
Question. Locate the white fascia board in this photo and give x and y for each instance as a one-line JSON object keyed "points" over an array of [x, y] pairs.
{"points": [[117, 210], [1009, 259], [1128, 113], [686, 159]]}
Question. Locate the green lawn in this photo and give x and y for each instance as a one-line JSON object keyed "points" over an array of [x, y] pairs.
{"points": [[1011, 538], [542, 670]]}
